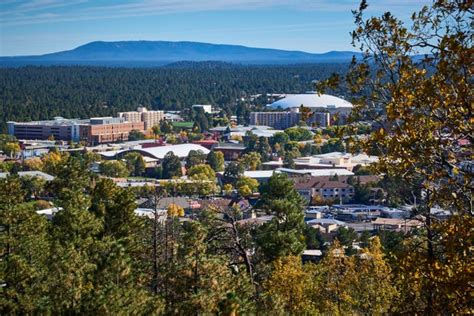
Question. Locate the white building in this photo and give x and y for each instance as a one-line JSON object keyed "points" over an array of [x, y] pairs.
{"points": [[205, 107], [158, 152], [318, 103], [334, 160]]}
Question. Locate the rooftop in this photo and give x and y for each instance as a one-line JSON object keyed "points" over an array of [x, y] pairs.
{"points": [[159, 152], [311, 100], [317, 172], [58, 121], [38, 174], [325, 221]]}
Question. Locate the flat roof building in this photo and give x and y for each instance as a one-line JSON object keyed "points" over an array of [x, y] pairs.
{"points": [[93, 131], [278, 120], [58, 129], [149, 118], [207, 108]]}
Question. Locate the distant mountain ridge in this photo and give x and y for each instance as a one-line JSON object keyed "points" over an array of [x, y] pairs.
{"points": [[165, 52]]}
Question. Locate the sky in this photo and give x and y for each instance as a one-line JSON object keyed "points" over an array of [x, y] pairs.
{"points": [[34, 27]]}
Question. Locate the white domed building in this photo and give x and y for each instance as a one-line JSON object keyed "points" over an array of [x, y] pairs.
{"points": [[313, 101], [327, 110], [324, 107]]}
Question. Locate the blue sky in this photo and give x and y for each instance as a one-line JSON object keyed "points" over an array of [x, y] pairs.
{"points": [[29, 27]]}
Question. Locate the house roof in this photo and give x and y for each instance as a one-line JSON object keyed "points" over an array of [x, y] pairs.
{"points": [[233, 146], [319, 183], [398, 222], [257, 220], [318, 172], [39, 174], [325, 221], [259, 174], [313, 252], [219, 203]]}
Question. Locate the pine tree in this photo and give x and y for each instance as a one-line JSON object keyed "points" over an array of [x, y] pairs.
{"points": [[171, 166], [283, 235], [216, 160]]}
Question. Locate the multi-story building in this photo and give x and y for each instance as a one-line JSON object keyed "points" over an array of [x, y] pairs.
{"points": [[93, 131], [325, 187], [132, 116], [149, 118], [277, 120], [108, 130], [57, 129], [326, 109], [286, 119]]}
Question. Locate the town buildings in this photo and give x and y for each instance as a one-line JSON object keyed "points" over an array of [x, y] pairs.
{"points": [[58, 129], [325, 110], [157, 152], [336, 160], [205, 107], [108, 130], [278, 120], [92, 131], [149, 118]]}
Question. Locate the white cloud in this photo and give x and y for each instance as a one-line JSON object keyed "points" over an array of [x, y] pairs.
{"points": [[32, 12]]}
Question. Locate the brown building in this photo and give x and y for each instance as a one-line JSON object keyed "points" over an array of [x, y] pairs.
{"points": [[108, 130], [94, 131], [325, 187], [231, 151]]}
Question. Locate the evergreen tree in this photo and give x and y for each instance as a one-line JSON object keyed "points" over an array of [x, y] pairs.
{"points": [[25, 252], [264, 149], [283, 235], [171, 166], [195, 157], [114, 168], [215, 159]]}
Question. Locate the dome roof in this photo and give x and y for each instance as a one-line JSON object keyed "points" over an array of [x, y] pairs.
{"points": [[311, 101]]}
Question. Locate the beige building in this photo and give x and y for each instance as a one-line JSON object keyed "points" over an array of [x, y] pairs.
{"points": [[149, 118]]}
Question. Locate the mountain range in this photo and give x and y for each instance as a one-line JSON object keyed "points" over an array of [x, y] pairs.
{"points": [[158, 53]]}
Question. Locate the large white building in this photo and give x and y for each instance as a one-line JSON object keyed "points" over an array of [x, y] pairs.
{"points": [[313, 101], [149, 118], [158, 152], [318, 103], [207, 108]]}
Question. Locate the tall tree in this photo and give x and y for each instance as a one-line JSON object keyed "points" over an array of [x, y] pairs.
{"points": [[422, 108], [135, 163], [171, 166], [195, 157], [283, 235], [215, 159], [25, 252], [293, 297], [264, 149], [374, 291], [156, 131], [114, 168], [250, 161]]}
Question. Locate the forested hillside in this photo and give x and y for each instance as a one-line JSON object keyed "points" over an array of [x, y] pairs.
{"points": [[33, 93]]}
